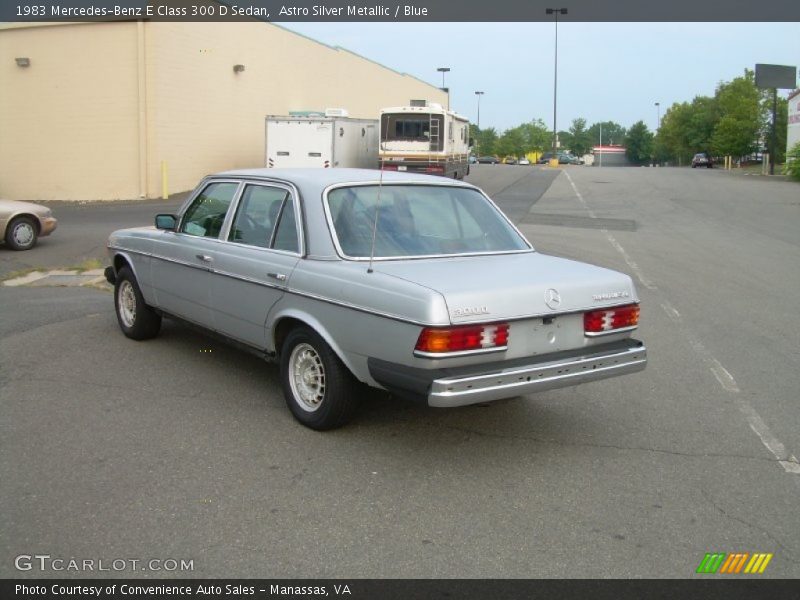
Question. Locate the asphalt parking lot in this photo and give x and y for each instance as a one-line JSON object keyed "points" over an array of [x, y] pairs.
{"points": [[182, 448]]}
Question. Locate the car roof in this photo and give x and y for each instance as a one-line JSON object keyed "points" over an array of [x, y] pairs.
{"points": [[321, 178], [311, 183]]}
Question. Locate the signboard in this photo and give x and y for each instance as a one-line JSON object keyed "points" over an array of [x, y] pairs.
{"points": [[776, 76]]}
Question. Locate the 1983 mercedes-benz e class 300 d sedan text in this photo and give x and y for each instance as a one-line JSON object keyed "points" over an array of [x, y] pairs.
{"points": [[410, 283]]}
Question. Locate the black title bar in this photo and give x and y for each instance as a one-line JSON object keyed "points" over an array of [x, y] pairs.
{"points": [[402, 11]]}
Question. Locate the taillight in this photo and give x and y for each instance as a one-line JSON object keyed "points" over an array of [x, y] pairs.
{"points": [[389, 167], [463, 338], [609, 320], [434, 169]]}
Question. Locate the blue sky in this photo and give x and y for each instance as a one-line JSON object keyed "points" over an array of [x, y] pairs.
{"points": [[607, 71]]}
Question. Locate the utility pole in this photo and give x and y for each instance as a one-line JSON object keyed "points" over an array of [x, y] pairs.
{"points": [[555, 12], [478, 94]]}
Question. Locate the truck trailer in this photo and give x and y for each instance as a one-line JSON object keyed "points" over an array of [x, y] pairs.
{"points": [[327, 140], [424, 138]]}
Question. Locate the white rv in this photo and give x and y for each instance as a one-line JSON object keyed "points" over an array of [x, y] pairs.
{"points": [[425, 138], [321, 140]]}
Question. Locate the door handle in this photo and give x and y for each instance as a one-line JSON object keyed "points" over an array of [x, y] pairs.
{"points": [[278, 276], [204, 257]]}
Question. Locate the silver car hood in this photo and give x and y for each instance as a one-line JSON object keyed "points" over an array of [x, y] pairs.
{"points": [[514, 286]]}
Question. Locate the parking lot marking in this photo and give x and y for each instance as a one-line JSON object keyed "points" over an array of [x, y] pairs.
{"points": [[613, 241], [671, 311], [786, 460]]}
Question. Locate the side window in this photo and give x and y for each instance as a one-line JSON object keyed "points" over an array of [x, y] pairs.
{"points": [[205, 216], [286, 234], [257, 215]]}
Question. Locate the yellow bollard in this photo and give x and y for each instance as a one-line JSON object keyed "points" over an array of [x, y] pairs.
{"points": [[164, 186]]}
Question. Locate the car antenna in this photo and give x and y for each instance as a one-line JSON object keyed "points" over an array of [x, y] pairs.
{"points": [[378, 202]]}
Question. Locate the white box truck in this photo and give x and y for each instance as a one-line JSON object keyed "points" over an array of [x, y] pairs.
{"points": [[321, 140]]}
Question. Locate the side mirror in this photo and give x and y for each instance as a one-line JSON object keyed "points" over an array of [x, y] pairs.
{"points": [[166, 222]]}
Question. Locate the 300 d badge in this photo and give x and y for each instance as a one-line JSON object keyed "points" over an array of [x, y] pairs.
{"points": [[470, 310]]}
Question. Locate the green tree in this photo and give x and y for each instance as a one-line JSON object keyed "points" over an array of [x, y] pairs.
{"points": [[512, 142], [486, 140], [581, 142], [613, 133], [792, 166], [639, 144], [564, 141], [703, 118], [741, 123], [673, 135], [538, 138]]}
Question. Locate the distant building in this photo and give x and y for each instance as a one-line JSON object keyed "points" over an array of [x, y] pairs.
{"points": [[92, 111], [610, 156], [793, 124]]}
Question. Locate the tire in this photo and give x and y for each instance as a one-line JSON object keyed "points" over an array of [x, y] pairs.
{"points": [[22, 233], [319, 390], [709, 165], [694, 166], [136, 320]]}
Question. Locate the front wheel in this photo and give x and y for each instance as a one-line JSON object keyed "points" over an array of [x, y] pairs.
{"points": [[136, 320], [318, 388], [21, 233]]}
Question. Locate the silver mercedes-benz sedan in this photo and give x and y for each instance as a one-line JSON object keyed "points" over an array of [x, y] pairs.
{"points": [[410, 283]]}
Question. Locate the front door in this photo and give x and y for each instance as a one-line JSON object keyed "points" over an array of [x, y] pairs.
{"points": [[183, 259]]}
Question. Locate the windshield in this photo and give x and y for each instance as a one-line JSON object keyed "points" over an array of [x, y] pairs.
{"points": [[416, 127], [418, 220]]}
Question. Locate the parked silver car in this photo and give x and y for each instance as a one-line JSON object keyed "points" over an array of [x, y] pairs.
{"points": [[22, 223], [410, 283]]}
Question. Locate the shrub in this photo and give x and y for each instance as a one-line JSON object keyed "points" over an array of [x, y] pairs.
{"points": [[792, 166]]}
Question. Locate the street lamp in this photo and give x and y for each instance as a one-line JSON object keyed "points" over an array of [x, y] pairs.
{"points": [[555, 12], [658, 113], [478, 94], [444, 70]]}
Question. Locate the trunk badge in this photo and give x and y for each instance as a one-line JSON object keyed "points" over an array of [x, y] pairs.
{"points": [[552, 299], [470, 310]]}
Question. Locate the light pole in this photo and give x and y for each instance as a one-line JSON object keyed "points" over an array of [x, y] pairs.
{"points": [[601, 144], [555, 12], [478, 94], [444, 70], [658, 113]]}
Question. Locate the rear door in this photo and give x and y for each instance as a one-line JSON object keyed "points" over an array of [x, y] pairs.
{"points": [[301, 143], [254, 263]]}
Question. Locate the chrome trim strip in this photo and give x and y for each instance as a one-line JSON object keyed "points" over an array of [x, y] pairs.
{"points": [[461, 391], [378, 313], [363, 309], [248, 279], [244, 180], [593, 334], [421, 354]]}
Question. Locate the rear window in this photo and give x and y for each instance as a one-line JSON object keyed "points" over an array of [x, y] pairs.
{"points": [[418, 220]]}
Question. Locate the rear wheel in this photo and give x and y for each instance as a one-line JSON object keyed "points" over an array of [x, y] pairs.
{"points": [[21, 233], [319, 390], [136, 320]]}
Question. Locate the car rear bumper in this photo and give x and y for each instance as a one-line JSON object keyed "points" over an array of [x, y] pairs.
{"points": [[460, 387]]}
